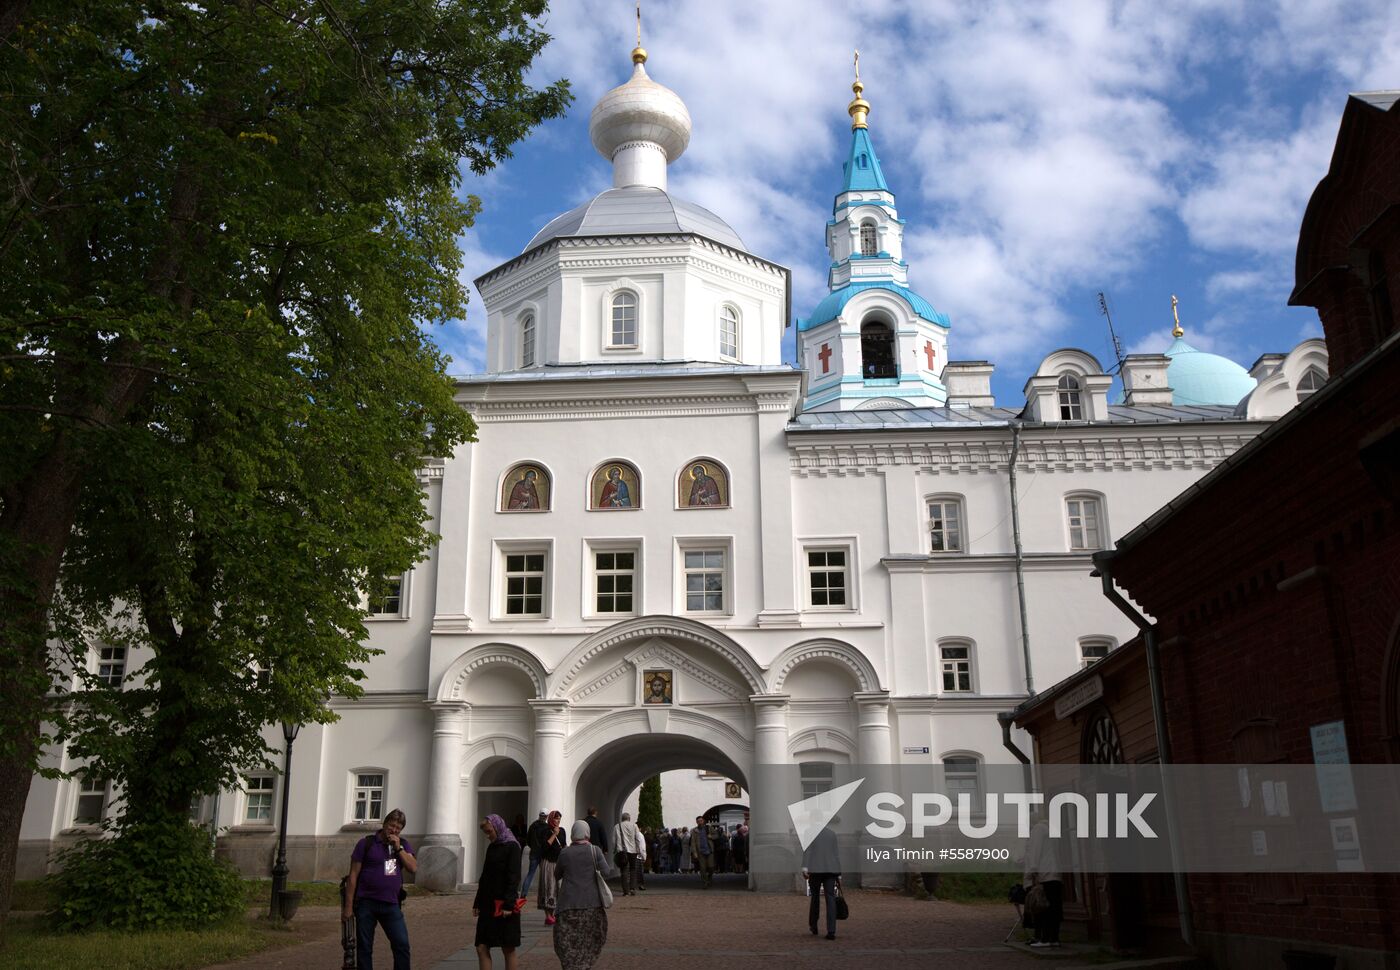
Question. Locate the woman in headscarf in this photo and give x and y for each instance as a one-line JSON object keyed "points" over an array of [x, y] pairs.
{"points": [[582, 928], [552, 844], [497, 916]]}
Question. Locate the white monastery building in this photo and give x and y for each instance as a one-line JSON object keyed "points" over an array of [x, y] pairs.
{"points": [[670, 550]]}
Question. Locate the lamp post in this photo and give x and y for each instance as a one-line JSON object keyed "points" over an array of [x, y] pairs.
{"points": [[279, 869]]}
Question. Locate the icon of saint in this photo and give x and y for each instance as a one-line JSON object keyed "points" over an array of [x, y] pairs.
{"points": [[615, 493], [704, 490], [523, 494]]}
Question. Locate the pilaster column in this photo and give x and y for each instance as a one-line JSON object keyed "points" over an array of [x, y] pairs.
{"points": [[873, 727], [770, 739], [548, 785], [440, 856]]}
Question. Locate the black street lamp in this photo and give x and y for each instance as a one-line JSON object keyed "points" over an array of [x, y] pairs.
{"points": [[279, 870]]}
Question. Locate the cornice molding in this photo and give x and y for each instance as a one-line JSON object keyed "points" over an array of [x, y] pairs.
{"points": [[1036, 562], [1128, 448]]}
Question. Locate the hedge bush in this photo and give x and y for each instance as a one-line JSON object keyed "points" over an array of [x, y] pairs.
{"points": [[145, 877]]}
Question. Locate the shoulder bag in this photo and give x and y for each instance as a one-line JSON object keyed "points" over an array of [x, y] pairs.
{"points": [[604, 893]]}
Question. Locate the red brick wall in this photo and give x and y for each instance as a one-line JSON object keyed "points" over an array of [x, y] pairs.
{"points": [[1301, 513]]}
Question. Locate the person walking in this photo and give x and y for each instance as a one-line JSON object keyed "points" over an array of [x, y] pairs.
{"points": [[534, 841], [373, 891], [554, 842], [675, 846], [597, 835], [496, 906], [628, 839], [821, 867], [582, 927], [702, 850], [1043, 869]]}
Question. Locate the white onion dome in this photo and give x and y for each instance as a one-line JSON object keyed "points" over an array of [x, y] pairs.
{"points": [[640, 127]]}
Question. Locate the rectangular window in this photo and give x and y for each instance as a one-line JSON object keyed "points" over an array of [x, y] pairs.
{"points": [[525, 583], [369, 797], [1084, 524], [92, 801], [816, 777], [257, 808], [826, 578], [704, 580], [614, 577], [957, 668], [387, 598], [945, 525], [111, 665], [960, 776]]}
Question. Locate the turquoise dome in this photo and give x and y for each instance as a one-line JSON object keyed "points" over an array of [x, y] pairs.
{"points": [[1201, 378]]}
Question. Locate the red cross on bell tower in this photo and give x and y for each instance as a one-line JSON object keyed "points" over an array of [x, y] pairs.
{"points": [[929, 353], [825, 357]]}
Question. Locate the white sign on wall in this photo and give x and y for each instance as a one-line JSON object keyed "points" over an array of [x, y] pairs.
{"points": [[1334, 787]]}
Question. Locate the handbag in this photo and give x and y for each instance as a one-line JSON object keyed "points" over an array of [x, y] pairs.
{"points": [[1037, 901], [843, 909], [604, 893]]}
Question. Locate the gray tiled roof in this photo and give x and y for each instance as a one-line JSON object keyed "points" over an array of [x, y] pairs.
{"points": [[637, 209]]}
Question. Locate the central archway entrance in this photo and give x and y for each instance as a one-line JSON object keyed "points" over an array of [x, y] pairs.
{"points": [[699, 761], [615, 770]]}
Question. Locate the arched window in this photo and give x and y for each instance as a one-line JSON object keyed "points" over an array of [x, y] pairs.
{"points": [[728, 331], [1094, 649], [868, 244], [1102, 746], [1071, 398], [624, 320], [877, 350], [1310, 383], [527, 340]]}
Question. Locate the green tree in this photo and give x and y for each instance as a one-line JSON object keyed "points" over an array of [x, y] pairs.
{"points": [[649, 814], [223, 230]]}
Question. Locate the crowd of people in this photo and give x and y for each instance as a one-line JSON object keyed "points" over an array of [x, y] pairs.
{"points": [[569, 871]]}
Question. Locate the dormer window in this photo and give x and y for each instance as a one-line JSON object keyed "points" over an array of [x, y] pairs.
{"points": [[1071, 398], [728, 332], [869, 246], [527, 340], [1310, 383], [877, 350], [624, 321]]}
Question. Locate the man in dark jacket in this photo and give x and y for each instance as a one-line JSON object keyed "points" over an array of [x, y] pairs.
{"points": [[597, 835], [534, 841]]}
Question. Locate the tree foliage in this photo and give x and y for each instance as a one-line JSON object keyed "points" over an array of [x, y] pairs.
{"points": [[649, 814], [224, 229]]}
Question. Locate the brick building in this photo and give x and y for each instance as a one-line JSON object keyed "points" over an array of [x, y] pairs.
{"points": [[1275, 582]]}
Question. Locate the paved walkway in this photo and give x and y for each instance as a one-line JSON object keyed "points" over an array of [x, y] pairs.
{"points": [[725, 929]]}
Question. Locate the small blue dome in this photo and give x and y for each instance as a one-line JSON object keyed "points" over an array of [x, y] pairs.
{"points": [[1201, 378]]}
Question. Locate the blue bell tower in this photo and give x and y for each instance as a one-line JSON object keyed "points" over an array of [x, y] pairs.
{"points": [[872, 342]]}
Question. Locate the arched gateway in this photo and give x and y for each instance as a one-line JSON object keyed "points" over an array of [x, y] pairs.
{"points": [[643, 696]]}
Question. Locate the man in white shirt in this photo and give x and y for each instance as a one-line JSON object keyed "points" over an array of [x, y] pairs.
{"points": [[632, 848]]}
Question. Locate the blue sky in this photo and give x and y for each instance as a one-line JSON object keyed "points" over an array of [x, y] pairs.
{"points": [[1039, 153]]}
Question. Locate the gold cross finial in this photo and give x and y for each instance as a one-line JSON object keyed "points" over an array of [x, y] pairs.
{"points": [[859, 107], [1176, 319], [639, 54]]}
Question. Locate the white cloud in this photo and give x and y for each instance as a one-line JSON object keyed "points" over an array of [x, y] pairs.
{"points": [[1043, 150], [1253, 198]]}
